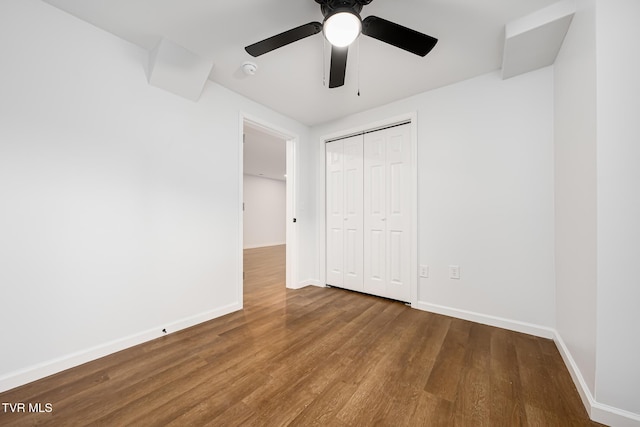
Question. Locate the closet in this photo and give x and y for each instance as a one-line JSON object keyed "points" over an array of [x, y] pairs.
{"points": [[368, 212]]}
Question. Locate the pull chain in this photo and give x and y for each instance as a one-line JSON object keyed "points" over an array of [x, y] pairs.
{"points": [[358, 66], [324, 62]]}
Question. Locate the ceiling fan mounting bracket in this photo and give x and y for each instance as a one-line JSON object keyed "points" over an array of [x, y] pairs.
{"points": [[329, 7]]}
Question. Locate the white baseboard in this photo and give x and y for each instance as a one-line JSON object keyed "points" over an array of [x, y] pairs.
{"points": [[315, 283], [308, 282], [598, 412], [576, 375], [611, 416], [264, 245], [512, 325], [36, 372]]}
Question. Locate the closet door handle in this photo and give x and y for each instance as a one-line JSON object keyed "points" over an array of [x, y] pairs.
{"points": [[383, 219]]}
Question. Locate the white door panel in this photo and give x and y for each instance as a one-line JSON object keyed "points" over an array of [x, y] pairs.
{"points": [[387, 208], [344, 213], [369, 212], [335, 215], [375, 248], [353, 213]]}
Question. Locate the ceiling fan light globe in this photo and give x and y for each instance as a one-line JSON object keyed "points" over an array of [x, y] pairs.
{"points": [[342, 28]]}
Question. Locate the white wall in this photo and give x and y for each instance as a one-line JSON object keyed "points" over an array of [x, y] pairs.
{"points": [[618, 92], [598, 205], [575, 191], [265, 209], [485, 167], [120, 202]]}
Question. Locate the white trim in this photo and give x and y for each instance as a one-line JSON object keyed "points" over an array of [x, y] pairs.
{"points": [[598, 412], [308, 282], [611, 416], [41, 370], [576, 375], [265, 245], [321, 223], [368, 126], [412, 118], [292, 141], [240, 254], [312, 282], [291, 260], [265, 127], [413, 278], [485, 319]]}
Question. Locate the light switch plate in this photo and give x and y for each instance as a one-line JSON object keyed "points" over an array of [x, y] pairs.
{"points": [[424, 271], [454, 272]]}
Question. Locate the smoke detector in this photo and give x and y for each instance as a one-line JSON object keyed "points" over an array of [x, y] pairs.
{"points": [[249, 68]]}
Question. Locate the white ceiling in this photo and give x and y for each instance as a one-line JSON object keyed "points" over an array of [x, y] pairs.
{"points": [[265, 155], [290, 79]]}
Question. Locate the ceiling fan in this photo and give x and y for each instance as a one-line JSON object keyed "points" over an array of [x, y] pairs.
{"points": [[341, 26]]}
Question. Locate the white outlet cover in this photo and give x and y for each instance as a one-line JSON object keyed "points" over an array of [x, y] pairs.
{"points": [[454, 272]]}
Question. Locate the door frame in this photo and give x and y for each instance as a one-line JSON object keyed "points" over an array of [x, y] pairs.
{"points": [[292, 141], [412, 118]]}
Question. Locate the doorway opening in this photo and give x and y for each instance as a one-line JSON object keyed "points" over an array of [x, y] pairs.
{"points": [[268, 191]]}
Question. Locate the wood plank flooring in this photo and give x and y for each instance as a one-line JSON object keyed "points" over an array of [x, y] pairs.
{"points": [[315, 356]]}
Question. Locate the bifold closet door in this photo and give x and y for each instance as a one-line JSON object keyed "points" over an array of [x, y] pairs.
{"points": [[387, 207], [344, 216]]}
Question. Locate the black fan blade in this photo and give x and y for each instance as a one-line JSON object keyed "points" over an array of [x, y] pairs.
{"points": [[397, 35], [283, 39], [338, 66]]}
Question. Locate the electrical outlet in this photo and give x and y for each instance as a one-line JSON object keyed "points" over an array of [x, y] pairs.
{"points": [[424, 271], [454, 272]]}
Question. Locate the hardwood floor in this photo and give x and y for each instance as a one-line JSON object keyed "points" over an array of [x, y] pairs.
{"points": [[315, 356]]}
